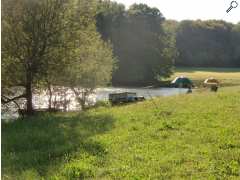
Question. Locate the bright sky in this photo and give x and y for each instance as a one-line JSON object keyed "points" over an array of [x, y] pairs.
{"points": [[192, 9]]}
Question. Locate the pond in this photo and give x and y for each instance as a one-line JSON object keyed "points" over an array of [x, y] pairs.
{"points": [[40, 100]]}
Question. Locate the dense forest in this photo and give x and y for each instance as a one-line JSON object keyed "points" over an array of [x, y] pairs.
{"points": [[208, 44], [147, 45]]}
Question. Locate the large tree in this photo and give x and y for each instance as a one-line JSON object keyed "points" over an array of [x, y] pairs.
{"points": [[139, 41], [43, 38], [31, 29], [89, 63]]}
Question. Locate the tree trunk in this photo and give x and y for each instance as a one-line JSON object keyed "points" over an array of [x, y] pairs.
{"points": [[50, 96], [80, 97], [83, 103], [29, 93]]}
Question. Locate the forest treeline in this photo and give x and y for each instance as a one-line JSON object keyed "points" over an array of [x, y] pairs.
{"points": [[147, 45]]}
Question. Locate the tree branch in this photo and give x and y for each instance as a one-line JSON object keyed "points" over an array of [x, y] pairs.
{"points": [[6, 100]]}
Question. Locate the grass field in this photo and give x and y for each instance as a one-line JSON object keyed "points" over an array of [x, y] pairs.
{"points": [[227, 76], [193, 136]]}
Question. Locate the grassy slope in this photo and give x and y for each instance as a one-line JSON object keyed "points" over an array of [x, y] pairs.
{"points": [[192, 136], [227, 76]]}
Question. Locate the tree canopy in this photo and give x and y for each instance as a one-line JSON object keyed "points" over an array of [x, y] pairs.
{"points": [[206, 44], [143, 48]]}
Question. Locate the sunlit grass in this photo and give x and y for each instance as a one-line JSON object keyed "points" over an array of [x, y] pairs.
{"points": [[227, 76], [181, 137]]}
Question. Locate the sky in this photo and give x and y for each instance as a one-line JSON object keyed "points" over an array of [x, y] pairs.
{"points": [[192, 9]]}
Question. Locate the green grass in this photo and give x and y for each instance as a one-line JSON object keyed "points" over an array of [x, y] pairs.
{"points": [[227, 76], [193, 136]]}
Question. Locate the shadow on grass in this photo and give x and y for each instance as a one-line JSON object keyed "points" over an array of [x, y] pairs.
{"points": [[49, 140]]}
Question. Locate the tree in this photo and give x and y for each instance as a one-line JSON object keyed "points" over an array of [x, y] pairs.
{"points": [[169, 40], [31, 29], [204, 44], [108, 19], [43, 38], [139, 42], [236, 45]]}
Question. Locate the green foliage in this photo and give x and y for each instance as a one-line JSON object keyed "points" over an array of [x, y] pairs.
{"points": [[95, 65], [88, 60], [52, 42], [236, 44], [187, 137], [147, 45], [209, 43], [31, 31], [145, 52]]}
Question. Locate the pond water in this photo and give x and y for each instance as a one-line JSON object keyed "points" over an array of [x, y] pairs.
{"points": [[40, 99], [102, 93]]}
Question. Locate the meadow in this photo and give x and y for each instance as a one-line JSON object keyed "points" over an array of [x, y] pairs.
{"points": [[194, 136], [226, 76]]}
